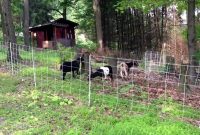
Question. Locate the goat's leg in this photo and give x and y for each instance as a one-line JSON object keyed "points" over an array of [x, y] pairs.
{"points": [[64, 74], [105, 77], [73, 74], [77, 71], [128, 71]]}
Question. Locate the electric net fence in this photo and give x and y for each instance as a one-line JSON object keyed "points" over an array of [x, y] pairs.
{"points": [[154, 80]]}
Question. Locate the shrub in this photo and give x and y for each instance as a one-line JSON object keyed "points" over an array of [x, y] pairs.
{"points": [[82, 42], [65, 53]]}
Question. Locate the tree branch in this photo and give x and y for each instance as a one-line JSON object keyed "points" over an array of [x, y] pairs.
{"points": [[57, 10]]}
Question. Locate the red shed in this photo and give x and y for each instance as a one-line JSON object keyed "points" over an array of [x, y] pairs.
{"points": [[49, 34]]}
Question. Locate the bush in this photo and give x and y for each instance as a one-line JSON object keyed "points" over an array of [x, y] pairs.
{"points": [[65, 53], [197, 28], [82, 42], [197, 55]]}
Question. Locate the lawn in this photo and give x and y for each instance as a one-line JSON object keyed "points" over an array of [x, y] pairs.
{"points": [[53, 108]]}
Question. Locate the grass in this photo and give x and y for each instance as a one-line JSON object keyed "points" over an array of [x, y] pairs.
{"points": [[7, 84], [60, 107], [52, 108], [45, 57]]}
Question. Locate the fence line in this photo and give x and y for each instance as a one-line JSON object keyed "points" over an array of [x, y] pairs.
{"points": [[42, 68]]}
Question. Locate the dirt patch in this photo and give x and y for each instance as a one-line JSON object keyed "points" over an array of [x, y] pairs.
{"points": [[4, 69], [157, 85], [105, 91]]}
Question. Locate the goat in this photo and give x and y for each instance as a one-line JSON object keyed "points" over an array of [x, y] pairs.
{"points": [[71, 66], [102, 72], [124, 68], [130, 64]]}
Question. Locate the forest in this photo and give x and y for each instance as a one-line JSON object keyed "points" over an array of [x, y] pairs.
{"points": [[111, 67]]}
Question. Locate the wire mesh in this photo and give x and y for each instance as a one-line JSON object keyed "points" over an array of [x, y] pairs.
{"points": [[150, 82]]}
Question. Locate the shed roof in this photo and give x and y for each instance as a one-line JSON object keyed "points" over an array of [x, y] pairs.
{"points": [[61, 22]]}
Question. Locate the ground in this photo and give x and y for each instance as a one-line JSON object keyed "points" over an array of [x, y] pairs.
{"points": [[26, 110]]}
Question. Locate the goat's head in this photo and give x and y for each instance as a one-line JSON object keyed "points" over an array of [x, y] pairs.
{"points": [[135, 63], [81, 59]]}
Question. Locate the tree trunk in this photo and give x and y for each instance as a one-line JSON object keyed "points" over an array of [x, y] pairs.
{"points": [[191, 38], [2, 24], [99, 32], [26, 24], [64, 12], [13, 53]]}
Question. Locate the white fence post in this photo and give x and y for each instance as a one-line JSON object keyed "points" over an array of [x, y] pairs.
{"points": [[34, 72], [11, 58], [89, 87]]}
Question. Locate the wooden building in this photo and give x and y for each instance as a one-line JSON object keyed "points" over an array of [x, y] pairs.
{"points": [[49, 34]]}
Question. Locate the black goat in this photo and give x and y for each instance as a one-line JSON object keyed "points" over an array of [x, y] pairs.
{"points": [[102, 72], [130, 64], [71, 66]]}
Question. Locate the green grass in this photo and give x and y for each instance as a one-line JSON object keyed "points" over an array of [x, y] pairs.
{"points": [[57, 107], [7, 84], [45, 57], [145, 125], [3, 54]]}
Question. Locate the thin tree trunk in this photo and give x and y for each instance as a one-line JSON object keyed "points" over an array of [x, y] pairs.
{"points": [[26, 23], [2, 24], [97, 11], [191, 38], [64, 12]]}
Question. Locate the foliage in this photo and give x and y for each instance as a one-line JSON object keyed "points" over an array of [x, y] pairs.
{"points": [[82, 12], [65, 53], [144, 125], [42, 98], [197, 55], [7, 84], [145, 6], [86, 43], [17, 11], [40, 11], [197, 30]]}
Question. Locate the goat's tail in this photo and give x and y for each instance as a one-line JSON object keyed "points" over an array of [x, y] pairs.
{"points": [[61, 66]]}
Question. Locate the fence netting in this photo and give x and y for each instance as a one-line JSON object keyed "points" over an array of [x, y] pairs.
{"points": [[153, 80]]}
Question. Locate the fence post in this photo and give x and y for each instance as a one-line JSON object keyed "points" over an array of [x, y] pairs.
{"points": [[87, 62], [145, 63], [113, 62], [11, 58], [34, 72], [184, 78], [89, 87]]}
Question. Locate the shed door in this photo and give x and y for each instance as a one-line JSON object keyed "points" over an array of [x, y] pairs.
{"points": [[40, 39]]}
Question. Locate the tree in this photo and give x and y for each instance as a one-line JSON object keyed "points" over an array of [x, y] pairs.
{"points": [[83, 13], [13, 53], [99, 32], [191, 37], [2, 24], [26, 22], [40, 11], [64, 5]]}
